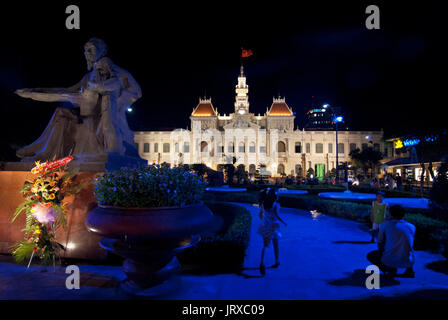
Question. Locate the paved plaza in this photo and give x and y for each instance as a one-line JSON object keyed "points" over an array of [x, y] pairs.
{"points": [[321, 258]]}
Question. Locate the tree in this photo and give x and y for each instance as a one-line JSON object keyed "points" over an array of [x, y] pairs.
{"points": [[199, 168], [309, 172], [439, 191], [241, 173], [332, 173], [229, 170], [366, 159]]}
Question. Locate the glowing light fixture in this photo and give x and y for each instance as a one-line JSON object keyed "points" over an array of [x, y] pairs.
{"points": [[129, 109], [338, 119], [325, 106]]}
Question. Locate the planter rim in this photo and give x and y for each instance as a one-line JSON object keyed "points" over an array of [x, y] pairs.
{"points": [[149, 208]]}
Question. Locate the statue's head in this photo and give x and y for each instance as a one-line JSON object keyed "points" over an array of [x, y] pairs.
{"points": [[94, 50], [104, 68]]}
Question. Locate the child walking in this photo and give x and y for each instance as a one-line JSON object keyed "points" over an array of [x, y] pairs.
{"points": [[270, 228]]}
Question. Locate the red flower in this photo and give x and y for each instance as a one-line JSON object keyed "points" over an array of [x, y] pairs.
{"points": [[35, 249]]}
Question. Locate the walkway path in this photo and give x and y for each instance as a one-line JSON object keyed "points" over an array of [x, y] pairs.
{"points": [[321, 258]]}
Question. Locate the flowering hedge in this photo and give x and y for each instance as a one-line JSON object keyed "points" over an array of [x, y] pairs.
{"points": [[151, 186]]}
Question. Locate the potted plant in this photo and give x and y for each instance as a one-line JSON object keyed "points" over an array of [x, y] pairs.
{"points": [[147, 215]]}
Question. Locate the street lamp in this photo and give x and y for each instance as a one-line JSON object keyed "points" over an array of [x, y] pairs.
{"points": [[336, 120]]}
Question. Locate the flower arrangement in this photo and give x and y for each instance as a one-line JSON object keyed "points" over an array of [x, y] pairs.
{"points": [[45, 210], [150, 186]]}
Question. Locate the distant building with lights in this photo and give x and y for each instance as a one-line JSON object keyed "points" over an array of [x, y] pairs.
{"points": [[268, 142]]}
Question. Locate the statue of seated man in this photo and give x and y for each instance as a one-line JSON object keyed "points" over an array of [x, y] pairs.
{"points": [[97, 124]]}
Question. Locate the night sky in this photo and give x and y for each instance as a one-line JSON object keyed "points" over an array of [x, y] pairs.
{"points": [[390, 78]]}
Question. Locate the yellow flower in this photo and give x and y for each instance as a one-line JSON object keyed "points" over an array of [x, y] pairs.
{"points": [[51, 196], [51, 239], [52, 183]]}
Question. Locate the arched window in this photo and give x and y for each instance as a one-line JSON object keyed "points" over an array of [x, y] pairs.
{"points": [[204, 146], [319, 148], [298, 147], [241, 147], [146, 147], [298, 169], [176, 147], [308, 148], [230, 147], [364, 146], [156, 147], [352, 147], [281, 146], [252, 147], [166, 147]]}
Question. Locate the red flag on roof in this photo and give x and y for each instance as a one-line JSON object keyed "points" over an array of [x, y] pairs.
{"points": [[246, 53]]}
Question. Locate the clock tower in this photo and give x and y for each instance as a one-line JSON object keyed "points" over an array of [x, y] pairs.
{"points": [[242, 98]]}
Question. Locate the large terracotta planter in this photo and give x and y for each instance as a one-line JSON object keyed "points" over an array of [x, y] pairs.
{"points": [[149, 239]]}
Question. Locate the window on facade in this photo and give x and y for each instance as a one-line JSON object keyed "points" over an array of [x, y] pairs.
{"points": [[262, 149], [156, 147], [252, 148], [220, 148], [308, 148], [186, 147], [176, 147], [298, 147], [319, 148], [385, 152], [230, 148], [364, 146], [330, 148], [146, 147], [204, 146], [166, 147], [241, 147], [340, 148], [352, 146], [281, 146], [376, 147]]}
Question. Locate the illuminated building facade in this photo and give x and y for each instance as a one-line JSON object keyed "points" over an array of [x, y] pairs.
{"points": [[269, 140]]}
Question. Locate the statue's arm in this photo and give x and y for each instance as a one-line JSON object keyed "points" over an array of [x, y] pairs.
{"points": [[70, 94], [110, 85]]}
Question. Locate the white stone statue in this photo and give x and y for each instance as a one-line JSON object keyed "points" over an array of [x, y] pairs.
{"points": [[100, 126]]}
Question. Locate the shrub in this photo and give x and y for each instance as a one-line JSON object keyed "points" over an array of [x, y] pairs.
{"points": [[430, 233], [225, 250], [151, 186]]}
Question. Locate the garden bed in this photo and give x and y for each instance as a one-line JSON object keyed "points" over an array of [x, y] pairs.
{"points": [[224, 251]]}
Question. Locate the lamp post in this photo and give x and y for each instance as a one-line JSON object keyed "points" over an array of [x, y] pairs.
{"points": [[336, 120]]}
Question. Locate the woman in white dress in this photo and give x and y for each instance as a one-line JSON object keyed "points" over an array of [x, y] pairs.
{"points": [[270, 228]]}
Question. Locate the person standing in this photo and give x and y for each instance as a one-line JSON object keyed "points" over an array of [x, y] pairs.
{"points": [[395, 245], [378, 214], [270, 228]]}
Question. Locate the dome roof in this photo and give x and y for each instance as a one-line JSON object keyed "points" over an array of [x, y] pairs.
{"points": [[204, 109], [280, 108]]}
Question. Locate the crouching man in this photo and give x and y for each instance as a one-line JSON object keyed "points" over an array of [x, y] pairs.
{"points": [[395, 245]]}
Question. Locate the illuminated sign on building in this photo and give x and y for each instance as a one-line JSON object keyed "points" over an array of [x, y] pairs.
{"points": [[398, 144], [410, 142]]}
